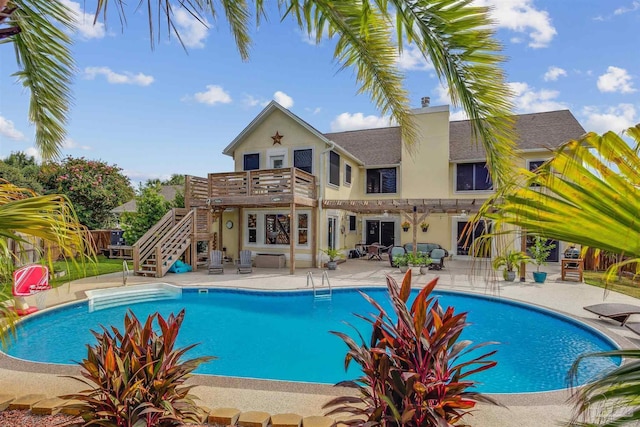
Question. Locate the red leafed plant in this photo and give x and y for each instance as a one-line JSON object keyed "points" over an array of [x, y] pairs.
{"points": [[413, 374], [137, 377]]}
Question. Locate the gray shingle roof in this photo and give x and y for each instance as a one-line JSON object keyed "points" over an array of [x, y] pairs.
{"points": [[373, 146], [536, 131]]}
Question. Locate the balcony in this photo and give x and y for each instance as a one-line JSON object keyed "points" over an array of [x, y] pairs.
{"points": [[256, 188]]}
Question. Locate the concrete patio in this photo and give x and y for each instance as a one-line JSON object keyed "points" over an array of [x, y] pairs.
{"points": [[534, 409]]}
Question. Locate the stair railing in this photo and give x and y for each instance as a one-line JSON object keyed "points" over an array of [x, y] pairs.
{"points": [[173, 244]]}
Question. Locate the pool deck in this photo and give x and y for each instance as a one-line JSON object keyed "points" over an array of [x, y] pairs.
{"points": [[534, 409]]}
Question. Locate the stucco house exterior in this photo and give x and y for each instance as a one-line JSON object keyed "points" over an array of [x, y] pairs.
{"points": [[295, 190]]}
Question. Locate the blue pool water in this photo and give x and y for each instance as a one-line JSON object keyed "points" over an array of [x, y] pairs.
{"points": [[284, 336]]}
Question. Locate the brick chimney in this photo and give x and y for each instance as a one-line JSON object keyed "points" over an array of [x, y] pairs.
{"points": [[425, 101]]}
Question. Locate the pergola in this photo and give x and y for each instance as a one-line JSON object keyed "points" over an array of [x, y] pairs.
{"points": [[414, 210]]}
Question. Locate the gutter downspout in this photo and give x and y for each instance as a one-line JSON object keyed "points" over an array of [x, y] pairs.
{"points": [[323, 167]]}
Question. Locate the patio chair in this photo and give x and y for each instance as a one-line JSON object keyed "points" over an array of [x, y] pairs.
{"points": [[394, 252], [614, 311], [215, 262], [437, 259], [374, 252], [244, 262]]}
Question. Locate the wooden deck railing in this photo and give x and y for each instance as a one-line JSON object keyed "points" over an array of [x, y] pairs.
{"points": [[262, 182]]}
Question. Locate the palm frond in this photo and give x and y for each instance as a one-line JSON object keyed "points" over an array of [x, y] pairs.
{"points": [[587, 194], [46, 68]]}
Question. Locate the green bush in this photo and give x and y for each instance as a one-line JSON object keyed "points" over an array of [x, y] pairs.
{"points": [[137, 377], [150, 208]]}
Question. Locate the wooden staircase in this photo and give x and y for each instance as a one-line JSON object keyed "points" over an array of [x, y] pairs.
{"points": [[156, 251]]}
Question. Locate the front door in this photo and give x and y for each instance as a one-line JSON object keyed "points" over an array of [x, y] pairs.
{"points": [[467, 244], [382, 232]]}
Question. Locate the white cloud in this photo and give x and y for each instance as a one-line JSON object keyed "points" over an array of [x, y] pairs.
{"points": [[635, 5], [348, 121], [213, 95], [521, 16], [527, 100], [443, 95], [458, 115], [84, 21], [70, 144], [615, 118], [139, 79], [251, 101], [615, 80], [8, 129], [283, 99], [35, 153], [314, 111], [411, 59], [553, 73], [192, 32]]}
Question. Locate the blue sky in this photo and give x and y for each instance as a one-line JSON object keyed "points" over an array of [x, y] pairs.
{"points": [[155, 113]]}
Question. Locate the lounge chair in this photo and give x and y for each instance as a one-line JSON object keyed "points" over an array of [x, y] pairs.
{"points": [[244, 262], [437, 259], [615, 311], [215, 262], [634, 326]]}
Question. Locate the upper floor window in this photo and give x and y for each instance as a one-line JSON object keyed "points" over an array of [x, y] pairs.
{"points": [[473, 177], [303, 160], [533, 165], [251, 161], [381, 180], [347, 174], [334, 168]]}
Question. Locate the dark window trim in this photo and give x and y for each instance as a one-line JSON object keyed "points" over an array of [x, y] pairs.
{"points": [[473, 189], [303, 149], [244, 161], [348, 170], [381, 185]]}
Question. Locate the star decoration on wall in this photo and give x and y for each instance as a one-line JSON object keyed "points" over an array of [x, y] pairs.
{"points": [[277, 138]]}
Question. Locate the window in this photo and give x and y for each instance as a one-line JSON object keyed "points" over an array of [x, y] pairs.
{"points": [[352, 223], [303, 160], [252, 227], [303, 229], [334, 168], [251, 161], [277, 229], [533, 165], [381, 180], [347, 174], [473, 177]]}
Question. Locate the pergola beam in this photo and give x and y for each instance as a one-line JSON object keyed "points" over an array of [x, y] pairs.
{"points": [[406, 205]]}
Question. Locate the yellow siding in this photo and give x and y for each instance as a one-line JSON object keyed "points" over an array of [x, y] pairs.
{"points": [[425, 167]]}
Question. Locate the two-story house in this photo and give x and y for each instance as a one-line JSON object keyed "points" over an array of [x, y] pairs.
{"points": [[295, 190]]}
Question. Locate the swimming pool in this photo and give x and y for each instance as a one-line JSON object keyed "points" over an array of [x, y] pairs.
{"points": [[284, 335]]}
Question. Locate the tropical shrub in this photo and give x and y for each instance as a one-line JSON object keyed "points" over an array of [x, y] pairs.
{"points": [[137, 377], [510, 260], [93, 186], [414, 371], [540, 251]]}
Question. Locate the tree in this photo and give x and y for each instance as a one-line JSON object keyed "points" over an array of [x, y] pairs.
{"points": [[588, 194], [175, 179], [93, 186], [151, 207], [21, 170], [454, 35]]}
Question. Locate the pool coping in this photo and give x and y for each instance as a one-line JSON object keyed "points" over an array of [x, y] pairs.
{"points": [[507, 399]]}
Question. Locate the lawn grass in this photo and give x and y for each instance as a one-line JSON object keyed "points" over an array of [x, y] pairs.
{"points": [[623, 285]]}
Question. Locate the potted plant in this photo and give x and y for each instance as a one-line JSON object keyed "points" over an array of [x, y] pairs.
{"points": [[405, 225], [510, 260], [424, 226], [539, 253], [333, 254], [418, 260], [402, 262]]}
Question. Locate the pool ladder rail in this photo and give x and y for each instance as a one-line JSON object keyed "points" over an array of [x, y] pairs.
{"points": [[322, 292]]}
